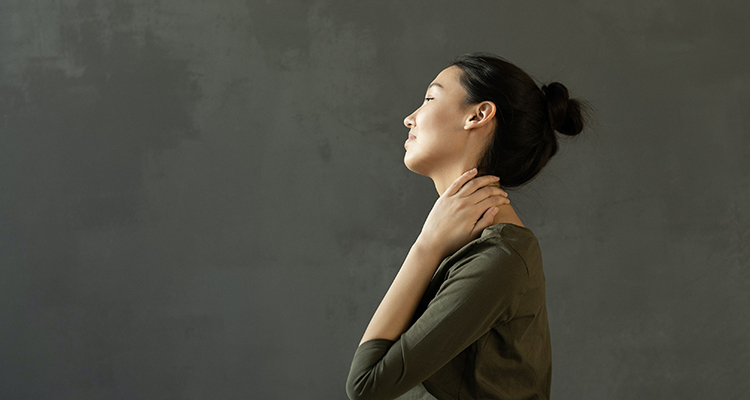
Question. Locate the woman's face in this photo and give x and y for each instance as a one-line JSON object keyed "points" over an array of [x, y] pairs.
{"points": [[437, 134]]}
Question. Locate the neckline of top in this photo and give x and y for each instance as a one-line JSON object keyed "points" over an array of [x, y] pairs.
{"points": [[497, 228]]}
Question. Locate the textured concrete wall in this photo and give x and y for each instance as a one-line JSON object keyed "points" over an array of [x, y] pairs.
{"points": [[206, 199]]}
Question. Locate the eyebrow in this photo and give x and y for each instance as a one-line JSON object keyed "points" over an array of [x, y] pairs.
{"points": [[435, 84]]}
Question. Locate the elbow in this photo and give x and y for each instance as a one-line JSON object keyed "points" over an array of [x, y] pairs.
{"points": [[359, 388], [368, 378], [353, 390]]}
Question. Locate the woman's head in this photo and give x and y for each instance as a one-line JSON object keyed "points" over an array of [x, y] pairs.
{"points": [[446, 132], [518, 124]]}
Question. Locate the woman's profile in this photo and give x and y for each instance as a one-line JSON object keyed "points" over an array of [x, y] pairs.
{"points": [[466, 316]]}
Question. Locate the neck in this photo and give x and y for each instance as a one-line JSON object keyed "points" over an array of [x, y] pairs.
{"points": [[442, 179], [445, 177], [506, 213]]}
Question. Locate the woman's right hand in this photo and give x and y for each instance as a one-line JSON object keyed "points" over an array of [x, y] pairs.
{"points": [[466, 207]]}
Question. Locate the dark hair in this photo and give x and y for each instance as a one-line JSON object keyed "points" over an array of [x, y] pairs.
{"points": [[526, 117]]}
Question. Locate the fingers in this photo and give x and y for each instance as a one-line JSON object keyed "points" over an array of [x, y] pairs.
{"points": [[486, 192], [484, 222], [477, 183], [460, 181], [492, 201]]}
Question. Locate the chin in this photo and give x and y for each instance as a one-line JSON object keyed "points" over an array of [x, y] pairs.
{"points": [[414, 166]]}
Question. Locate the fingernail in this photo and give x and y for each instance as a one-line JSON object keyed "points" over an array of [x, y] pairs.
{"points": [[473, 171], [494, 210]]}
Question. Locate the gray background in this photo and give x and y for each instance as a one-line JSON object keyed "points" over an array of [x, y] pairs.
{"points": [[207, 199]]}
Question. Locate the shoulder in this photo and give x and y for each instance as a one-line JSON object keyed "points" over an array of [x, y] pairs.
{"points": [[504, 242], [500, 252], [491, 273], [517, 239]]}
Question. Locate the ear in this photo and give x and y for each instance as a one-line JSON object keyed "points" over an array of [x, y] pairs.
{"points": [[480, 115]]}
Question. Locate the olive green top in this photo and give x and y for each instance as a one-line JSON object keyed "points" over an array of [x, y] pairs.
{"points": [[479, 332]]}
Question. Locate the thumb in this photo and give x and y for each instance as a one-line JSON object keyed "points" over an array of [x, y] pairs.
{"points": [[484, 222]]}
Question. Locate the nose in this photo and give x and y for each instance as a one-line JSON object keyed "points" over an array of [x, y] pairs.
{"points": [[409, 121]]}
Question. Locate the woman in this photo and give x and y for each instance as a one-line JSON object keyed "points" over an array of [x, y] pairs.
{"points": [[465, 317]]}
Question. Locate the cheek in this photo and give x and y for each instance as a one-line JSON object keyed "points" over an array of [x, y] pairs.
{"points": [[446, 118], [431, 123]]}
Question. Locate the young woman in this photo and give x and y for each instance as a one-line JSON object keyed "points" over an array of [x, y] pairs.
{"points": [[465, 317]]}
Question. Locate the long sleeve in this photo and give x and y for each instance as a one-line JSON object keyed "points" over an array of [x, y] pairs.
{"points": [[483, 286]]}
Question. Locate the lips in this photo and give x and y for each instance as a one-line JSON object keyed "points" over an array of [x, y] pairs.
{"points": [[410, 138]]}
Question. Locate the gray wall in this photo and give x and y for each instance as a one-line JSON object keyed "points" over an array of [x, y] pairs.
{"points": [[207, 199]]}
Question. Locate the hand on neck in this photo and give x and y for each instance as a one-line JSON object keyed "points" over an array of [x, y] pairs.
{"points": [[443, 179]]}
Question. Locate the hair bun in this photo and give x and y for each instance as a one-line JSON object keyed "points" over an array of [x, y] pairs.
{"points": [[564, 113]]}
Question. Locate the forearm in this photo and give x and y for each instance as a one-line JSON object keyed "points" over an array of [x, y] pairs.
{"points": [[397, 308]]}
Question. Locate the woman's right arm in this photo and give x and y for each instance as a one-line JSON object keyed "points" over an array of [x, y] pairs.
{"points": [[397, 308], [485, 286], [458, 217]]}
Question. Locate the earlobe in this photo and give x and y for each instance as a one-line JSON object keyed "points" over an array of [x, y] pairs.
{"points": [[471, 122], [481, 115]]}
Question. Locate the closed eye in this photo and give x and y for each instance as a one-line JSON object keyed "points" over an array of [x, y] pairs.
{"points": [[429, 98]]}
